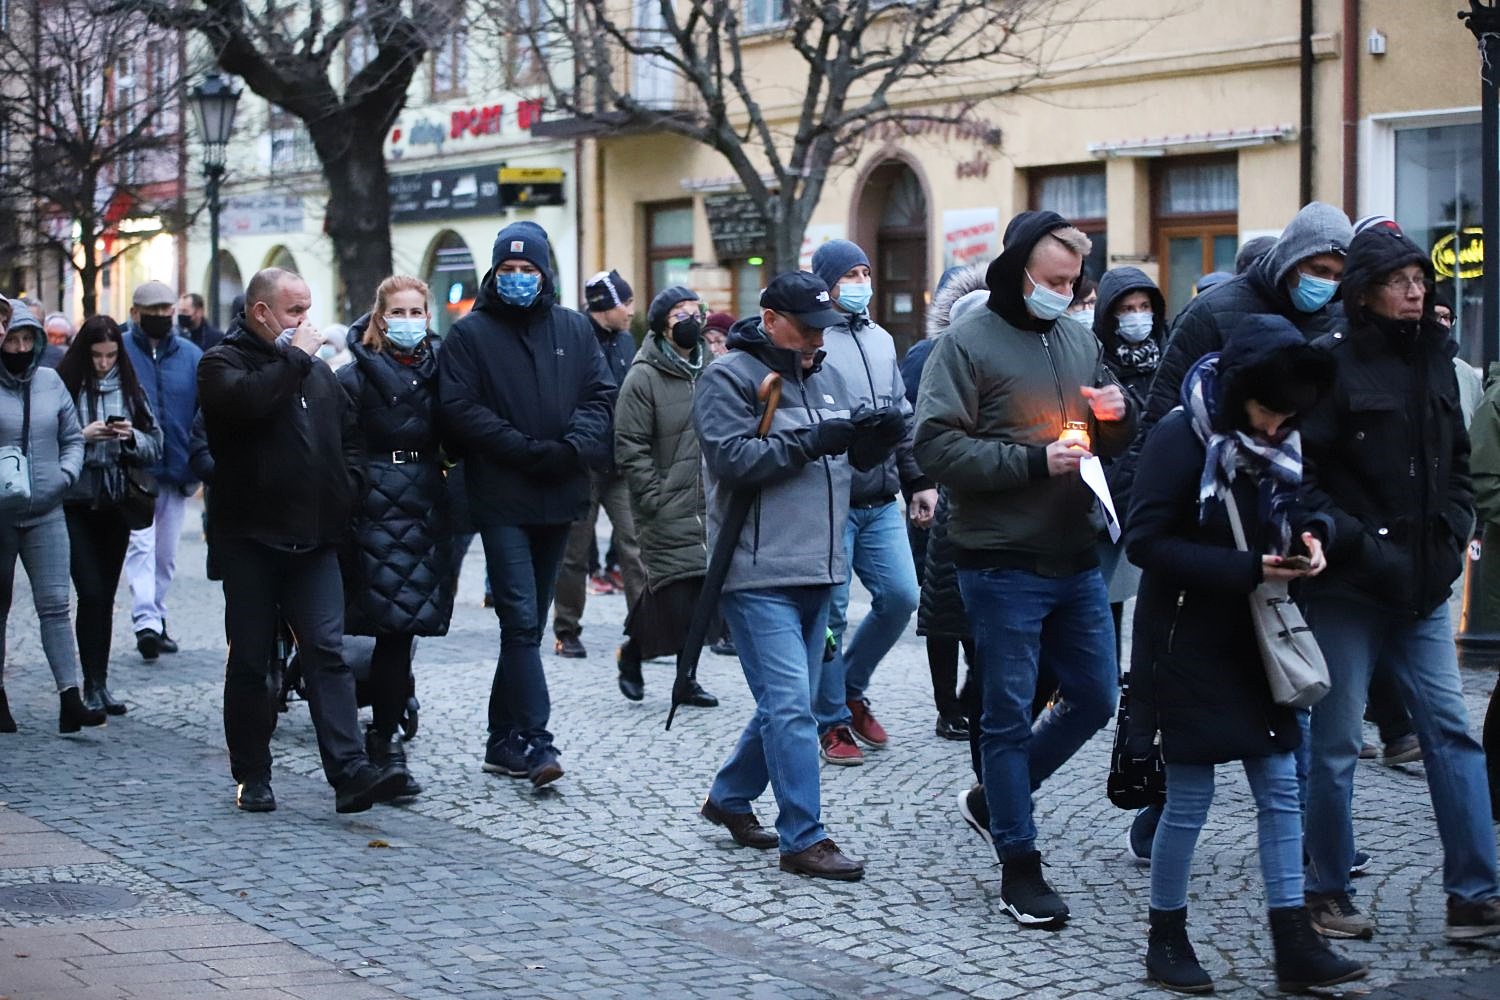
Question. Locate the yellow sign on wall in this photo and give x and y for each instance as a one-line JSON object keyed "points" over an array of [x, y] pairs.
{"points": [[1460, 254]]}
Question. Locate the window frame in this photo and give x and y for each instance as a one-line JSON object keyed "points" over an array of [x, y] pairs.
{"points": [[665, 252]]}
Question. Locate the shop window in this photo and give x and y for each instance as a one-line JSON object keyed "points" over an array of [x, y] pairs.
{"points": [[749, 280], [1437, 204], [669, 249], [1196, 221], [453, 279], [1077, 194]]}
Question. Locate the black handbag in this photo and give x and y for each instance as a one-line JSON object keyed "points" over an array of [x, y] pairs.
{"points": [[137, 501], [1134, 782]]}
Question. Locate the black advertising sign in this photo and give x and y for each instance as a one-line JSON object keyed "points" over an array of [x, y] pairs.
{"points": [[445, 194], [523, 187], [737, 224]]}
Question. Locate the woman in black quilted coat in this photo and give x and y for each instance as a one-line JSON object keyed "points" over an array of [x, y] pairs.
{"points": [[398, 571]]}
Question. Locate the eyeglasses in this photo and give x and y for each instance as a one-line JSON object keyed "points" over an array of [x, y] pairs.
{"points": [[1402, 282]]}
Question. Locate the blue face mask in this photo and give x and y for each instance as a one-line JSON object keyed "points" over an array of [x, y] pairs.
{"points": [[1313, 293], [1044, 303], [405, 332], [518, 288], [854, 296], [1135, 327]]}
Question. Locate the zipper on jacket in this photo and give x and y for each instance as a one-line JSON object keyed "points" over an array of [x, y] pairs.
{"points": [[1062, 405], [1172, 633], [874, 399], [827, 472]]}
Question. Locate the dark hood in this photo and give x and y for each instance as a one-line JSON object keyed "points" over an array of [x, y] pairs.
{"points": [[1373, 255], [1317, 229], [1270, 360], [534, 248], [747, 335], [1006, 273], [1116, 284]]}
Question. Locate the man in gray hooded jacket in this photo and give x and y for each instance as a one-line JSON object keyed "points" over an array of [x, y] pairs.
{"points": [[789, 554]]}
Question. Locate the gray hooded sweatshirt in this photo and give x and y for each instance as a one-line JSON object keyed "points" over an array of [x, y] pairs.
{"points": [[55, 449]]}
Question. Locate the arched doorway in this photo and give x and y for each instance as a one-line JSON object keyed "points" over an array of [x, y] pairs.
{"points": [[231, 286], [892, 215], [281, 257], [450, 273]]}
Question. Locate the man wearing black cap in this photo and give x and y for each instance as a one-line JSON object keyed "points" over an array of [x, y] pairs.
{"points": [[789, 557], [526, 396], [610, 305], [1013, 400]]}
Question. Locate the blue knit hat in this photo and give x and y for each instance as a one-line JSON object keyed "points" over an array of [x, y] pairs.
{"points": [[836, 258], [523, 241]]}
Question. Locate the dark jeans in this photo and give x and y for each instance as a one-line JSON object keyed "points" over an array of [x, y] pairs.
{"points": [[523, 562], [390, 673], [97, 541], [263, 586]]}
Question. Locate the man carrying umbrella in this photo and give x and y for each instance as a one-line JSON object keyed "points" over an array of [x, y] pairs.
{"points": [[788, 556]]}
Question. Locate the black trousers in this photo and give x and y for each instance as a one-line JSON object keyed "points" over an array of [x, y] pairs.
{"points": [[97, 540], [390, 674], [262, 587]]}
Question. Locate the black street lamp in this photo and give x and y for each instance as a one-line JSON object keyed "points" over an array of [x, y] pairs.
{"points": [[1483, 18], [214, 102]]}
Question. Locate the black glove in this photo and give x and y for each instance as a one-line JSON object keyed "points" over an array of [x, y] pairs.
{"points": [[833, 437], [553, 461], [878, 431]]}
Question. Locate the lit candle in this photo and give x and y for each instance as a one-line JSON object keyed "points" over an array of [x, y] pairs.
{"points": [[1075, 432]]}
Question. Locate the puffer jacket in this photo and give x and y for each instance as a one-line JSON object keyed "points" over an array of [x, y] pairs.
{"points": [[1387, 456], [168, 375], [864, 354], [398, 571], [1205, 323], [795, 533], [656, 450], [55, 449]]}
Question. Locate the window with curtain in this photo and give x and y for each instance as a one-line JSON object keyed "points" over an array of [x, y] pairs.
{"points": [[1078, 195], [1200, 188]]}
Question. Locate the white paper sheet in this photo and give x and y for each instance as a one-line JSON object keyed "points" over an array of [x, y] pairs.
{"points": [[1092, 471]]}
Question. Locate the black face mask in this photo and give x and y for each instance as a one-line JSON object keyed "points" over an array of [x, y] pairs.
{"points": [[185, 321], [156, 327], [17, 363], [686, 333]]}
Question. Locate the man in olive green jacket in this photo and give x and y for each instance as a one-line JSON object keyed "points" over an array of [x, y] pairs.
{"points": [[656, 450]]}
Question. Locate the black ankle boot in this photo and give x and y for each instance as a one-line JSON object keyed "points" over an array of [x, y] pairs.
{"points": [[112, 706], [7, 723], [75, 714], [384, 751], [1170, 960], [1303, 958], [632, 683]]}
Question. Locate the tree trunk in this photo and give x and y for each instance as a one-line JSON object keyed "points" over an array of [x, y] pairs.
{"points": [[88, 272], [358, 217]]}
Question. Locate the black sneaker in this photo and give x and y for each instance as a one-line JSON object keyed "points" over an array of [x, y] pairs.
{"points": [[570, 647], [1467, 921], [543, 767], [166, 642], [148, 644], [723, 646], [255, 797], [506, 755], [952, 727], [367, 786], [1027, 897], [975, 809]]}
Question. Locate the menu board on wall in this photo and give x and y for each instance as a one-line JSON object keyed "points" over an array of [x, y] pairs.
{"points": [[737, 224]]}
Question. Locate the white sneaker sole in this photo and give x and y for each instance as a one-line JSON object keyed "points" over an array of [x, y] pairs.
{"points": [[1133, 857], [1031, 919], [974, 824], [1470, 933], [489, 768]]}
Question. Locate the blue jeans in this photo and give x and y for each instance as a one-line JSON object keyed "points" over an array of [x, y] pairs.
{"points": [[1190, 792], [1358, 639], [880, 552], [1020, 619], [522, 562], [779, 635]]}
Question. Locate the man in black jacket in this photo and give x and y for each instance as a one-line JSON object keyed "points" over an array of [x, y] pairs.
{"points": [[1387, 458], [287, 467], [1295, 279], [610, 306], [527, 398]]}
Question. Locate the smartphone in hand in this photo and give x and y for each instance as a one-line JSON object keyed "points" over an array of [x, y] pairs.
{"points": [[1295, 563]]}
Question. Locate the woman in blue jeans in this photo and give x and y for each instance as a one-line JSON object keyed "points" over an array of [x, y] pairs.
{"points": [[1197, 679]]}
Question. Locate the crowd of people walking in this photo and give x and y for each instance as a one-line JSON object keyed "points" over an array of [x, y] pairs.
{"points": [[1055, 448]]}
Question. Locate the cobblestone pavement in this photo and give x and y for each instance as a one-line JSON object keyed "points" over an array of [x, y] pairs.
{"points": [[609, 884]]}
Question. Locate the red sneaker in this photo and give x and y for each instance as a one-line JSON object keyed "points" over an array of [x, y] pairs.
{"points": [[600, 585], [838, 747], [869, 731]]}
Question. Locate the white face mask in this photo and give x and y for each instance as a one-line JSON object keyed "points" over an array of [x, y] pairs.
{"points": [[1136, 327], [1084, 316]]}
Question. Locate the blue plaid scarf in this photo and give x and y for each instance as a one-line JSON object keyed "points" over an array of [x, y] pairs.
{"points": [[1276, 468]]}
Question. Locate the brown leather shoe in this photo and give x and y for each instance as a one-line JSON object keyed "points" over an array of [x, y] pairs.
{"points": [[743, 827], [824, 860]]}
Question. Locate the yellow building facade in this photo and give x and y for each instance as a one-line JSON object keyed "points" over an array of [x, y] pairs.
{"points": [[1171, 133]]}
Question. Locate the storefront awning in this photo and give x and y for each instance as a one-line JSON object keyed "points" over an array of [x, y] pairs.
{"points": [[1194, 142]]}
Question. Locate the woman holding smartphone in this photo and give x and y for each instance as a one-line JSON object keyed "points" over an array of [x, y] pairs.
{"points": [[1197, 678], [118, 431]]}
